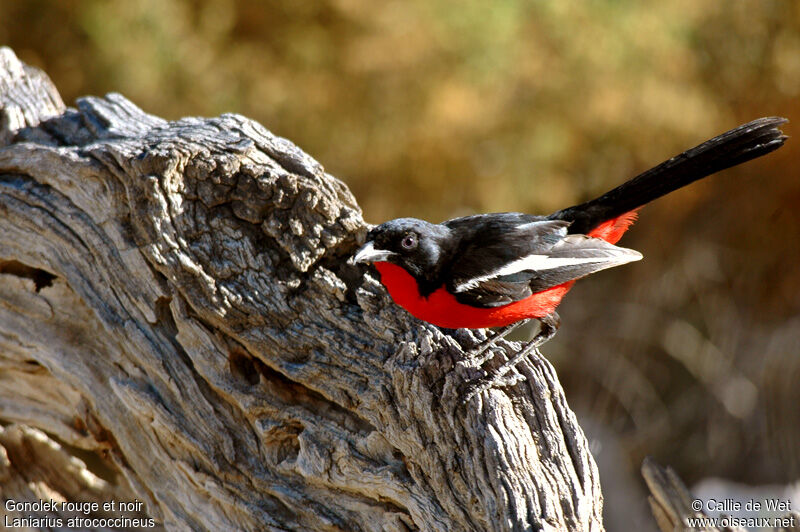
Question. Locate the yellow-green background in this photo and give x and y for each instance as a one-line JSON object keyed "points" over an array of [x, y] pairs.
{"points": [[440, 108]]}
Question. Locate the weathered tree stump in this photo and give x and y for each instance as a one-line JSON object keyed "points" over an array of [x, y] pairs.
{"points": [[676, 510], [175, 297]]}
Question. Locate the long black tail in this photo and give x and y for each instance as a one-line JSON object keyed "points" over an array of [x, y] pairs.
{"points": [[736, 146]]}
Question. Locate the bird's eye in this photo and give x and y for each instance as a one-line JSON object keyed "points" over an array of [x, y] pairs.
{"points": [[409, 241]]}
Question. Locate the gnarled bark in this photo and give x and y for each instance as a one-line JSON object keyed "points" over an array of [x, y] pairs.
{"points": [[677, 510], [175, 296]]}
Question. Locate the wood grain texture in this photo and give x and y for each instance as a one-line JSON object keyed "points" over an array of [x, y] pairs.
{"points": [[175, 297], [673, 506]]}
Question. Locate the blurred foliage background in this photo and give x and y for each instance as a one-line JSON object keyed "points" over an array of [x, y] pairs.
{"points": [[440, 108]]}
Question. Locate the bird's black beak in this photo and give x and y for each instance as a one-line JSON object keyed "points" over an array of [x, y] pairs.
{"points": [[368, 253]]}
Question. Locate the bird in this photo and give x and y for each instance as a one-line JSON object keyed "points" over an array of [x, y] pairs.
{"points": [[502, 269]]}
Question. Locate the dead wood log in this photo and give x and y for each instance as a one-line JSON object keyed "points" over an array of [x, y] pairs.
{"points": [[677, 510], [175, 297]]}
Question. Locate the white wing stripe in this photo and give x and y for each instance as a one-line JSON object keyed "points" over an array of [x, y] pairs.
{"points": [[616, 257]]}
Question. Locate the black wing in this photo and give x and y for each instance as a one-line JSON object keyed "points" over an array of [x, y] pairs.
{"points": [[508, 257]]}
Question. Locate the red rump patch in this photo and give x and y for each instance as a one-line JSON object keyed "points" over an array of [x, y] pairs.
{"points": [[441, 307], [612, 230]]}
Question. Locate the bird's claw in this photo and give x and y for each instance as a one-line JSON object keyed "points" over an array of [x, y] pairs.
{"points": [[482, 384], [497, 377], [483, 352]]}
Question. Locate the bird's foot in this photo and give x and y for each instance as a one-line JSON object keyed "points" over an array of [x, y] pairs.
{"points": [[477, 386], [497, 377], [482, 353]]}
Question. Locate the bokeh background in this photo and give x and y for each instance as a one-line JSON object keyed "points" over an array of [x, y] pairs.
{"points": [[441, 108]]}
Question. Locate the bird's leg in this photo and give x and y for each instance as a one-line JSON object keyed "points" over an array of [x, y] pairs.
{"points": [[474, 356], [550, 324]]}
